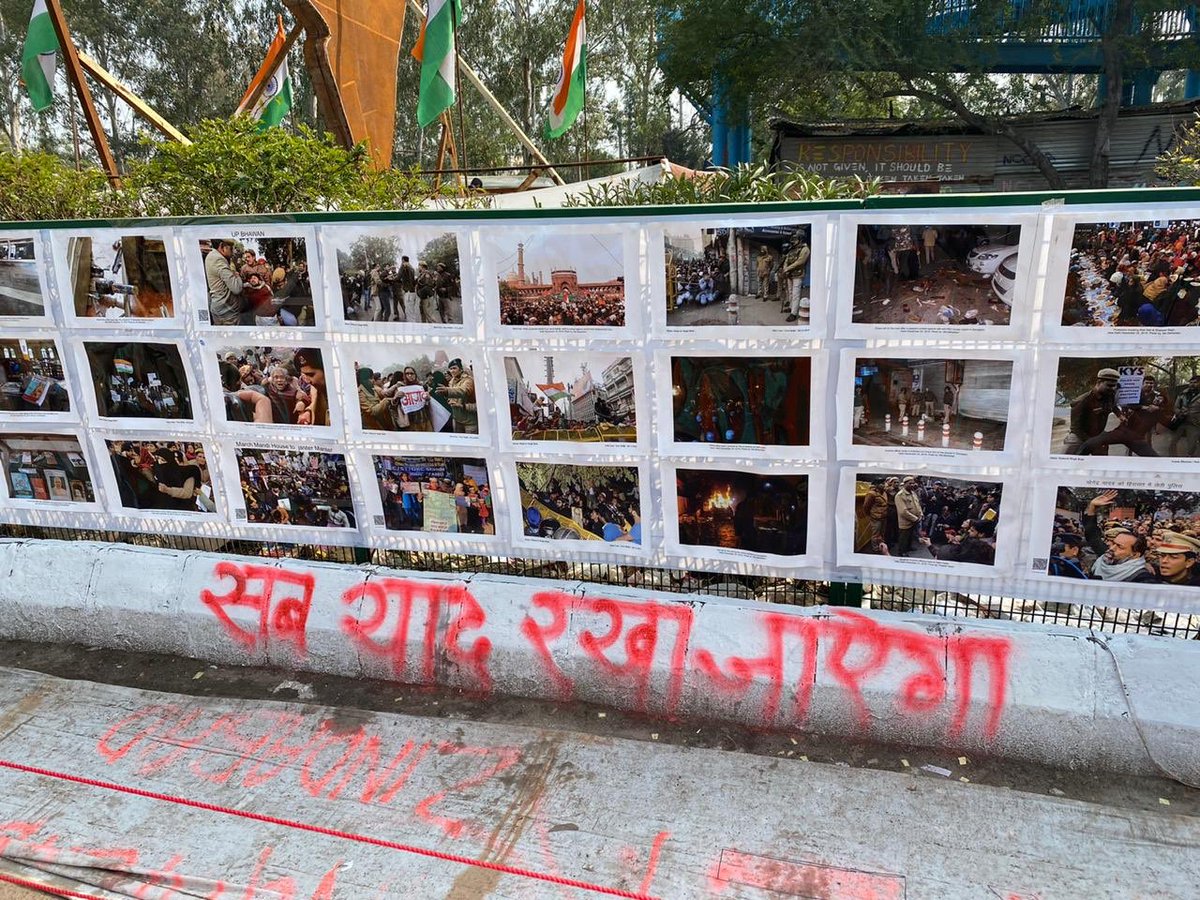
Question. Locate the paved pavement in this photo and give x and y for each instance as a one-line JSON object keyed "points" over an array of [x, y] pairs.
{"points": [[252, 798]]}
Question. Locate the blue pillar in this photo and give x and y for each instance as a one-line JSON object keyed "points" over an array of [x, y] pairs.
{"points": [[1143, 87], [1191, 86]]}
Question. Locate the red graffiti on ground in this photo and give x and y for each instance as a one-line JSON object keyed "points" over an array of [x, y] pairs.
{"points": [[254, 587], [649, 652]]}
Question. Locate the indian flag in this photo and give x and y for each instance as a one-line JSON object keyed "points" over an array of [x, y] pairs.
{"points": [[276, 100], [572, 80], [39, 57], [436, 52], [554, 391]]}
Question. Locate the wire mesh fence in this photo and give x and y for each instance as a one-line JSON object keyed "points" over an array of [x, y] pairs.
{"points": [[764, 589]]}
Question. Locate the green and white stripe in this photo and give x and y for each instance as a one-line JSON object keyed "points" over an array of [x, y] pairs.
{"points": [[438, 59], [276, 100], [40, 57]]}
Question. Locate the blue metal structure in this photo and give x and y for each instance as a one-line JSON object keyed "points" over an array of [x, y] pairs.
{"points": [[1071, 45]]}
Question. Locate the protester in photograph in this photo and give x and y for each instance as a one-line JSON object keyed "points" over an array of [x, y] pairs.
{"points": [[296, 488], [166, 476], [923, 517], [1186, 420], [459, 394], [1136, 421], [311, 368], [250, 290]]}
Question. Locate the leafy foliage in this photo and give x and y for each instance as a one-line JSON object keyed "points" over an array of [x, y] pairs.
{"points": [[1181, 163], [39, 186], [745, 184]]}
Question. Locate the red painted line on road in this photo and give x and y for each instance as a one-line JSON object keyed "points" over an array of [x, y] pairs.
{"points": [[328, 832], [44, 888]]}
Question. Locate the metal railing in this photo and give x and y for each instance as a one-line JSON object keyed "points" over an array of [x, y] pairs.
{"points": [[764, 589]]}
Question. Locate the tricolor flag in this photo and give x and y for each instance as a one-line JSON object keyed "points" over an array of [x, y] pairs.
{"points": [[438, 56], [39, 57], [555, 391], [276, 99], [572, 80]]}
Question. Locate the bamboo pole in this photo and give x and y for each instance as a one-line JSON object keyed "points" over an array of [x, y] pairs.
{"points": [[136, 103]]}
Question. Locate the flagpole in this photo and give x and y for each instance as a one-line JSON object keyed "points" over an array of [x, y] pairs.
{"points": [[462, 128]]}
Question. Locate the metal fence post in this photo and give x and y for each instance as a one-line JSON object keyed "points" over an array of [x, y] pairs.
{"points": [[844, 593]]}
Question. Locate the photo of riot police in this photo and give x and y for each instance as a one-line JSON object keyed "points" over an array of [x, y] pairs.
{"points": [[1127, 406], [1118, 534]]}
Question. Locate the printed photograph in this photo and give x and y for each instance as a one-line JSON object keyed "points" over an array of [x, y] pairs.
{"points": [[258, 282], [435, 494], [581, 503], [295, 487], [139, 380], [45, 467], [33, 377], [927, 517], [741, 399], [1127, 406], [274, 385], [740, 510], [738, 276], [1121, 534], [1134, 274], [940, 403], [936, 274], [125, 277], [416, 389], [549, 279], [20, 287], [162, 475], [585, 397], [406, 275]]}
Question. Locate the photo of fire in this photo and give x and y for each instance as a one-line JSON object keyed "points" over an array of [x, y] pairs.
{"points": [[740, 510]]}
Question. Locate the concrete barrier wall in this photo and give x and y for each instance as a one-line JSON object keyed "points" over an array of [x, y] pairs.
{"points": [[1054, 695]]}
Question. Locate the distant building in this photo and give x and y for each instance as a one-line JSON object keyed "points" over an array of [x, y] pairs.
{"points": [[562, 281], [949, 154], [618, 387], [583, 398]]}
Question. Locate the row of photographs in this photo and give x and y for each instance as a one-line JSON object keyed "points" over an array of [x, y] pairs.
{"points": [[1143, 531], [1134, 411], [912, 274]]}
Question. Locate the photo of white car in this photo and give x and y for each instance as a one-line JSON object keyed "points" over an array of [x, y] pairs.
{"points": [[986, 259]]}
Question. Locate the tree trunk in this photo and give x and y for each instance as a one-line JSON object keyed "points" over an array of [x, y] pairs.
{"points": [[1110, 106], [527, 124]]}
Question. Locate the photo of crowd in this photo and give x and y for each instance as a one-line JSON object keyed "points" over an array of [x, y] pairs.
{"points": [[588, 503], [1131, 274], [927, 517], [738, 276], [258, 282], [20, 287], [1127, 406], [908, 402], [295, 487], [162, 475], [45, 467], [550, 279], [139, 380], [416, 390], [935, 274], [33, 377], [740, 510], [120, 277], [398, 275], [585, 397], [274, 385], [1120, 534], [436, 494], [741, 399]]}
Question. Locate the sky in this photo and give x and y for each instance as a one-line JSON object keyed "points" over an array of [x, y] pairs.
{"points": [[595, 257]]}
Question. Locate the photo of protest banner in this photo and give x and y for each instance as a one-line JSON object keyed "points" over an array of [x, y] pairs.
{"points": [[739, 404], [730, 278], [927, 521], [589, 507], [1119, 412], [159, 477], [435, 497], [35, 385], [416, 393], [924, 274], [1113, 531], [892, 404], [46, 470], [139, 384], [563, 281], [739, 515], [288, 386], [260, 277], [288, 486], [401, 278], [23, 281], [116, 277], [590, 399]]}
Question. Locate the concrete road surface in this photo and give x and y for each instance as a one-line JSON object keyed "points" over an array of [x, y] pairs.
{"points": [[127, 789]]}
